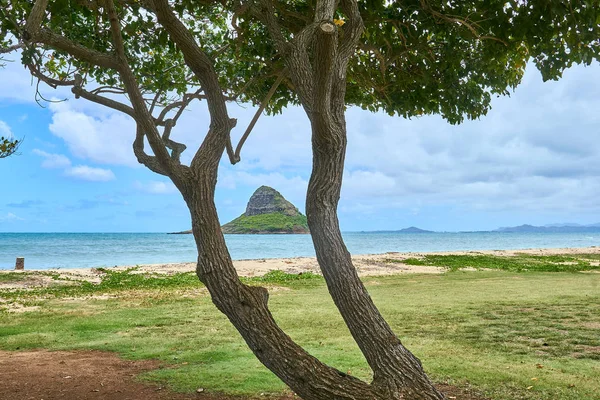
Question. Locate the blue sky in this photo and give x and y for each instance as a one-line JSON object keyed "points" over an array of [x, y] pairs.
{"points": [[535, 158]]}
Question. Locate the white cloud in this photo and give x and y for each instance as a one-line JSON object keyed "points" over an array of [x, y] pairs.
{"points": [[10, 217], [52, 160], [94, 134], [86, 173], [536, 150], [83, 172], [5, 130], [361, 183], [155, 187]]}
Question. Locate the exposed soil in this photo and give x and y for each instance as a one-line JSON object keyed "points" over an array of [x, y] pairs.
{"points": [[95, 375]]}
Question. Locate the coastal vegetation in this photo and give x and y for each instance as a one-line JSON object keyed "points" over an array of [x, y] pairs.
{"points": [[520, 262], [267, 223], [512, 335]]}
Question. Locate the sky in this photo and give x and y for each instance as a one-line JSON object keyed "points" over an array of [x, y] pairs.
{"points": [[535, 158]]}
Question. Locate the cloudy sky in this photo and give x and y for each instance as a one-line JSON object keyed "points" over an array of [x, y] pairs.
{"points": [[535, 158]]}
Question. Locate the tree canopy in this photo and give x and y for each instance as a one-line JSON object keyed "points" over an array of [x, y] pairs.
{"points": [[415, 57]]}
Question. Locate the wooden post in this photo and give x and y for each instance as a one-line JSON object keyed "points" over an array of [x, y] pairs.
{"points": [[20, 264]]}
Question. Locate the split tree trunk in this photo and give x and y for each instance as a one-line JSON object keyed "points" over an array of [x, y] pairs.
{"points": [[397, 373], [246, 308]]}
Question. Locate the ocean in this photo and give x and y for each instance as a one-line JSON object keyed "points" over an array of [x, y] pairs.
{"points": [[86, 250]]}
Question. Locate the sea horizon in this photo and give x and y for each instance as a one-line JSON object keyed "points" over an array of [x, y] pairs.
{"points": [[46, 250]]}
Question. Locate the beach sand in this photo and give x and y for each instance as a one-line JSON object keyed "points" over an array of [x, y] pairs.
{"points": [[366, 265]]}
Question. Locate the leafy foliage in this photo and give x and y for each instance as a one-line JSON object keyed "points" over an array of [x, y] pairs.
{"points": [[8, 147], [416, 57]]}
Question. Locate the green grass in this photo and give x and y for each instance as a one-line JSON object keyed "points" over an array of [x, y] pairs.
{"points": [[116, 281], [275, 222], [12, 277], [521, 262], [8, 277], [498, 331]]}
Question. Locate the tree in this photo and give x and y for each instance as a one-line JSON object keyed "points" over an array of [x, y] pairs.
{"points": [[408, 58], [8, 147]]}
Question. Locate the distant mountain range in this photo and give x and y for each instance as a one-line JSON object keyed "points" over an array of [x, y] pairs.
{"points": [[554, 228], [551, 228], [411, 229]]}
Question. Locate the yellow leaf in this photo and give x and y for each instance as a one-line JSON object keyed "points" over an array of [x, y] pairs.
{"points": [[339, 22]]}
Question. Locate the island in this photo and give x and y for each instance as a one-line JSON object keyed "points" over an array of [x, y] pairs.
{"points": [[267, 212]]}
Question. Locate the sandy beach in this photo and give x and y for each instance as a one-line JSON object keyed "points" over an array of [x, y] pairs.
{"points": [[366, 264]]}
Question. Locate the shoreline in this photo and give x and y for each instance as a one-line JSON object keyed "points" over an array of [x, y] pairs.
{"points": [[366, 264]]}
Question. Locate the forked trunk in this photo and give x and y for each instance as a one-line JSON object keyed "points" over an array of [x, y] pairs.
{"points": [[397, 373], [246, 308]]}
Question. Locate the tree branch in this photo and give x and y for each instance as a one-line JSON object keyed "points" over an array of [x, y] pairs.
{"points": [[144, 119], [325, 60], [352, 31], [176, 147], [149, 161], [47, 37], [257, 115], [54, 83], [78, 91], [10, 49], [265, 11], [34, 19], [218, 136]]}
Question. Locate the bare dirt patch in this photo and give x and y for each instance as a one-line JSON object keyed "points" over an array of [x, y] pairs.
{"points": [[95, 375]]}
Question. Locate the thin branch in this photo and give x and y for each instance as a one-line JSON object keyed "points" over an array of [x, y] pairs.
{"points": [[143, 158], [266, 12], [257, 115], [145, 121], [10, 49], [472, 27], [54, 83], [176, 147], [78, 91], [154, 101], [187, 99], [108, 89], [218, 137]]}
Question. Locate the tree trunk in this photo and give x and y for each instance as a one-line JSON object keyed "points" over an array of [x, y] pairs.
{"points": [[246, 308], [397, 373]]}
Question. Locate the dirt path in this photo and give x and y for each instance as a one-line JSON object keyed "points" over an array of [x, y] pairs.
{"points": [[95, 375]]}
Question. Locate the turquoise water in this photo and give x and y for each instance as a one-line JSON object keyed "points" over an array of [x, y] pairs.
{"points": [[84, 250]]}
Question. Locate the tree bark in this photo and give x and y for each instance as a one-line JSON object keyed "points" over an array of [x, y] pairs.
{"points": [[246, 308], [397, 373]]}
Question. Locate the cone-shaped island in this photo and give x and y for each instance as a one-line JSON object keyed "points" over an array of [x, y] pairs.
{"points": [[267, 212]]}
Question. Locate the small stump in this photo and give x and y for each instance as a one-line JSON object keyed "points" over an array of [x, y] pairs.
{"points": [[20, 264]]}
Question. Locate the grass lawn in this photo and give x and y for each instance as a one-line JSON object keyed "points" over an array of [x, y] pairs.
{"points": [[510, 335]]}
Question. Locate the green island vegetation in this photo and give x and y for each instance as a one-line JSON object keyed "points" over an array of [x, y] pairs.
{"points": [[511, 330], [273, 222], [268, 212]]}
